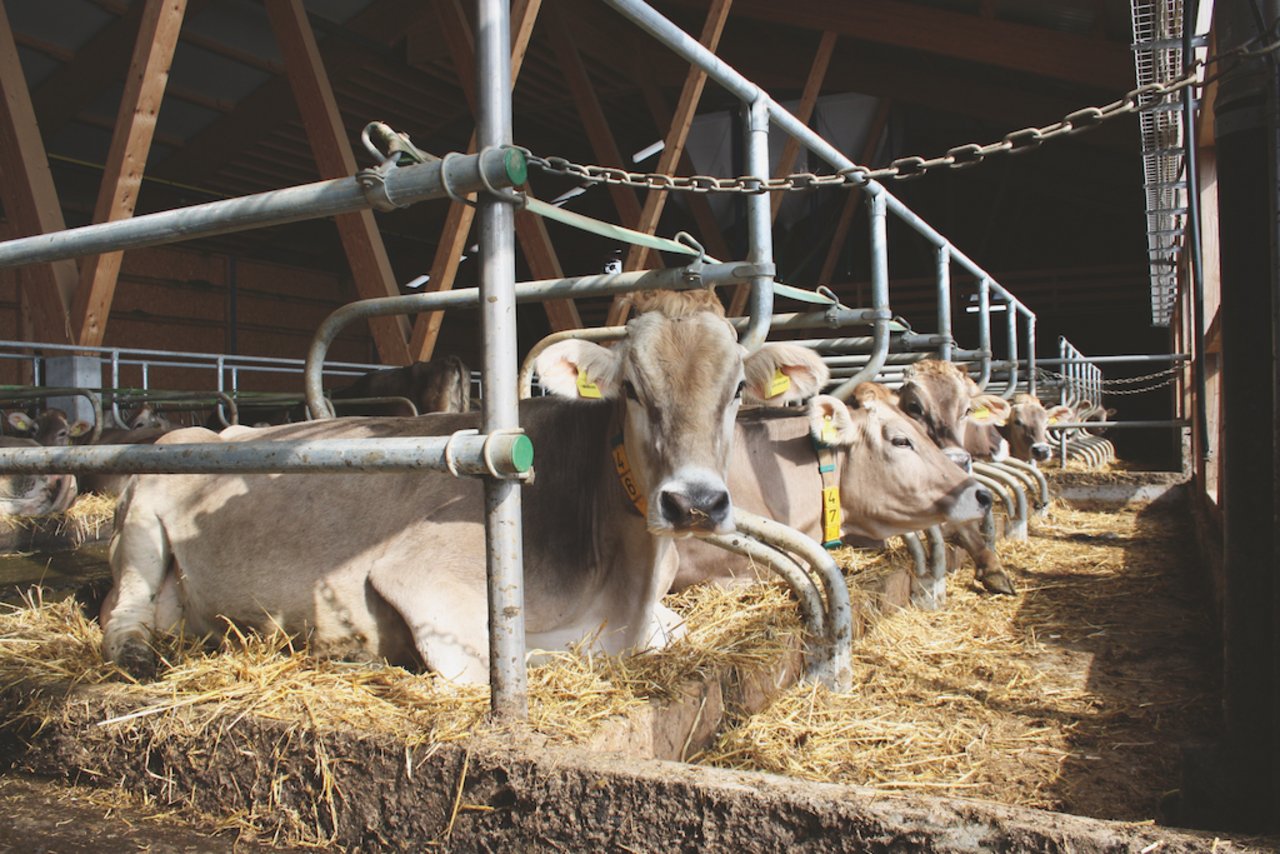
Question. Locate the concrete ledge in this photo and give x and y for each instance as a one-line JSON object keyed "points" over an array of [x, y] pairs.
{"points": [[370, 793]]}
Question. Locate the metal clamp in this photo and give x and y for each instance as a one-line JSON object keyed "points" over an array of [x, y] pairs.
{"points": [[486, 454], [451, 461]]}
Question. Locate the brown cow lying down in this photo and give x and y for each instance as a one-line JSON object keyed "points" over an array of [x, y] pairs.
{"points": [[34, 494], [440, 385], [393, 565], [50, 428], [892, 479]]}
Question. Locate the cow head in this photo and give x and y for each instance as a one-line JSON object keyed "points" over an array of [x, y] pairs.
{"points": [[1026, 428], [444, 384], [941, 398], [893, 478], [50, 428], [149, 416], [677, 381]]}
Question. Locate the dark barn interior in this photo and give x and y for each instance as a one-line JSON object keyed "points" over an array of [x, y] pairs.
{"points": [[118, 108]]}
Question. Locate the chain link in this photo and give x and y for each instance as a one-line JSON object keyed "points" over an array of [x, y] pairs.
{"points": [[1170, 375], [904, 168]]}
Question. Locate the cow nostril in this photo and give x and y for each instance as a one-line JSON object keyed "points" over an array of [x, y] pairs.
{"points": [[675, 507], [718, 506], [983, 497]]}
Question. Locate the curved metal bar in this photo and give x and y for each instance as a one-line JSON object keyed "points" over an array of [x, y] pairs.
{"points": [[1037, 475], [1012, 311], [879, 299], [1017, 527], [594, 333], [930, 594], [943, 268], [922, 588], [839, 609], [1031, 352], [998, 488], [812, 608], [40, 392], [984, 330]]}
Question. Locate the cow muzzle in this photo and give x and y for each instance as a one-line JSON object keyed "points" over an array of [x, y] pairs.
{"points": [[1041, 451], [695, 507]]}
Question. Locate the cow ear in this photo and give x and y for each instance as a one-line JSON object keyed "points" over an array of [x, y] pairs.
{"points": [[21, 422], [79, 429], [1060, 413], [830, 423], [575, 368], [780, 373], [990, 409], [866, 393]]}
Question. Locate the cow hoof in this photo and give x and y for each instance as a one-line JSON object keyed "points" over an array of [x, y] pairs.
{"points": [[998, 582], [137, 659]]}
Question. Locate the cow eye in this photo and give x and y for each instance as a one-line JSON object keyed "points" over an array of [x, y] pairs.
{"points": [[914, 409], [901, 442], [742, 386], [629, 390]]}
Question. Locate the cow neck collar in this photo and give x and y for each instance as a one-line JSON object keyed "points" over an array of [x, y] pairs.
{"points": [[627, 476], [831, 513]]}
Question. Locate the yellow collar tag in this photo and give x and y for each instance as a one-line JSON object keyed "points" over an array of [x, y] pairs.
{"points": [[586, 388], [830, 514], [627, 478], [780, 383]]}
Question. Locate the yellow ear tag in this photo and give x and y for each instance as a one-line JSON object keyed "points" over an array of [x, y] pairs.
{"points": [[1053, 421], [780, 383], [981, 412], [828, 431], [586, 388]]}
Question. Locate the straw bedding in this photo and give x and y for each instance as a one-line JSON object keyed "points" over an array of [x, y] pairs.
{"points": [[1071, 695]]}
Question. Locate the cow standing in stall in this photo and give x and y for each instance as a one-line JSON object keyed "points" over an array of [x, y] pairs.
{"points": [[393, 565]]}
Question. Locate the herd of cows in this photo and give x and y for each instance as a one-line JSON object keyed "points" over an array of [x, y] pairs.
{"points": [[641, 447]]}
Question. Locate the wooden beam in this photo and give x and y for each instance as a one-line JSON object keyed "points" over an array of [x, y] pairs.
{"points": [[594, 122], [791, 151], [876, 130], [30, 199], [1024, 48], [382, 21], [678, 132], [370, 266], [457, 36], [157, 38]]}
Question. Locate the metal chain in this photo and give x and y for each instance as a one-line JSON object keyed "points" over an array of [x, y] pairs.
{"points": [[1170, 374], [904, 168]]}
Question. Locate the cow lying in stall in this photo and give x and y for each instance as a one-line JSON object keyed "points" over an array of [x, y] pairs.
{"points": [[891, 479], [50, 428], [34, 494], [393, 565]]}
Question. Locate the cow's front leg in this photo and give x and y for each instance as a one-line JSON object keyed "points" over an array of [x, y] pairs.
{"points": [[140, 558]]}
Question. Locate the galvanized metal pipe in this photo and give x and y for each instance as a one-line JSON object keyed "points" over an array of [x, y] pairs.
{"points": [[698, 275], [943, 262], [502, 498], [998, 489], [839, 610], [879, 298], [1012, 319], [403, 186], [1036, 474], [812, 608], [510, 454], [1017, 527], [759, 224], [1031, 353], [922, 592], [1094, 425], [984, 330]]}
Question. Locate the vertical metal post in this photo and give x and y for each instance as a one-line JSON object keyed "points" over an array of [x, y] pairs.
{"points": [[944, 302], [1011, 308], [984, 329], [759, 223], [505, 558], [1031, 353]]}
